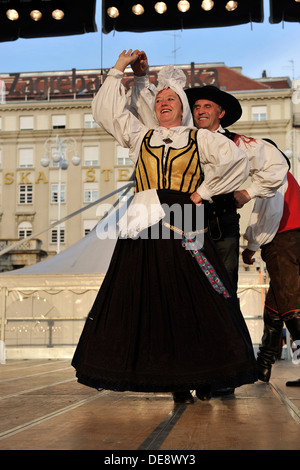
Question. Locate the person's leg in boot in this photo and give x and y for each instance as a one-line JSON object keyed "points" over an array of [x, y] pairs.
{"points": [[204, 392], [270, 348], [183, 397], [228, 248], [293, 325]]}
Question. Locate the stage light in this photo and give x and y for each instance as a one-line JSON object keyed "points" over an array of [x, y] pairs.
{"points": [[207, 5], [58, 14], [36, 15], [113, 12], [138, 9], [12, 15], [183, 6], [160, 7], [231, 6]]}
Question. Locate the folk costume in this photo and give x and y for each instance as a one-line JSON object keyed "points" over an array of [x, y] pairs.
{"points": [[267, 167], [275, 227], [267, 172], [166, 318]]}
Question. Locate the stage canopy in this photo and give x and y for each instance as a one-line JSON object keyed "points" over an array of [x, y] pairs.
{"points": [[284, 10], [49, 18], [152, 15], [45, 18]]}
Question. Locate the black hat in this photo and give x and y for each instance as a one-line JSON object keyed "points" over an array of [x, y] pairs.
{"points": [[229, 103]]}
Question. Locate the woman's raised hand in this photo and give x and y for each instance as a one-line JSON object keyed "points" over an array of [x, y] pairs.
{"points": [[140, 66], [126, 58]]}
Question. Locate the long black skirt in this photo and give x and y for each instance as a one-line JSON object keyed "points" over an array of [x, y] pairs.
{"points": [[158, 325]]}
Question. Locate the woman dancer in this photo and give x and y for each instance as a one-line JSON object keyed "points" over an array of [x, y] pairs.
{"points": [[166, 318]]}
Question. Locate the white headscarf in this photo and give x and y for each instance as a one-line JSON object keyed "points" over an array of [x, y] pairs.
{"points": [[171, 77]]}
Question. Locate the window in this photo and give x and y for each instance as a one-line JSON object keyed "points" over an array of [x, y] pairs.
{"points": [[91, 156], [25, 194], [0, 157], [26, 158], [58, 121], [26, 122], [259, 113], [123, 156], [24, 230], [89, 122], [54, 233], [90, 192], [55, 193], [88, 225]]}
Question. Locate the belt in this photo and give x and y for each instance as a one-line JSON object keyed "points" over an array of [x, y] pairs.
{"points": [[206, 267], [181, 232], [222, 204]]}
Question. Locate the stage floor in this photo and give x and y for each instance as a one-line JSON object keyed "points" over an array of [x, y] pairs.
{"points": [[42, 407]]}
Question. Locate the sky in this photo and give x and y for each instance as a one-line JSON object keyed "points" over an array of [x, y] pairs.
{"points": [[259, 47]]}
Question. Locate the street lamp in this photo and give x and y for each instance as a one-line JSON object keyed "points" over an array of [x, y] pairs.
{"points": [[58, 156]]}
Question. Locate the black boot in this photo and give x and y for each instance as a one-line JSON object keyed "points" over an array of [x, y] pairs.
{"points": [[270, 348], [223, 392], [204, 392], [183, 397], [293, 325], [293, 383]]}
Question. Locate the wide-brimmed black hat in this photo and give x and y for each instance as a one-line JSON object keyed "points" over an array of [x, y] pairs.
{"points": [[229, 103]]}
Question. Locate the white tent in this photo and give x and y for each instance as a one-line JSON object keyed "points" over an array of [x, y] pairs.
{"points": [[91, 255], [55, 295]]}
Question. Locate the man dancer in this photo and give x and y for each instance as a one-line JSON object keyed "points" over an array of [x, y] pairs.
{"points": [[275, 228]]}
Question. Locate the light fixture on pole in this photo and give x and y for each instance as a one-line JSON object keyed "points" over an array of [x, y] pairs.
{"points": [[57, 148]]}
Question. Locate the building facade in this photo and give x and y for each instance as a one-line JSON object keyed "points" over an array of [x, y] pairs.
{"points": [[37, 110]]}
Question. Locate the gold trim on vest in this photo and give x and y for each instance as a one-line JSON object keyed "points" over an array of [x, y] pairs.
{"points": [[180, 170]]}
